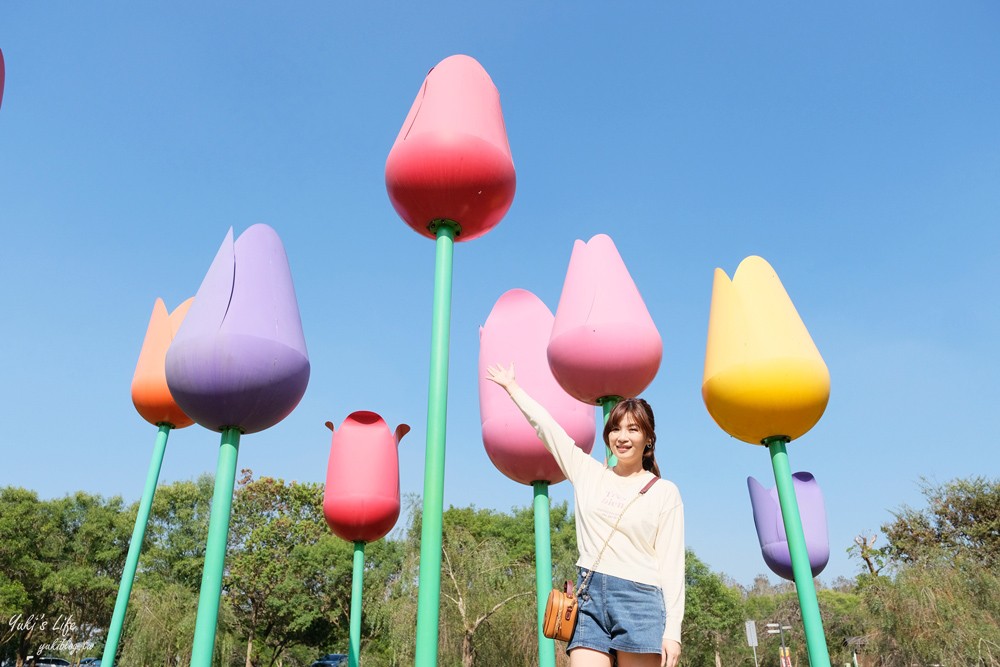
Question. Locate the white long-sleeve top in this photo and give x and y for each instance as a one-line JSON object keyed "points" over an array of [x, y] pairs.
{"points": [[648, 546]]}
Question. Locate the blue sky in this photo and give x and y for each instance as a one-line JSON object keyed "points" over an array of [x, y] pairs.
{"points": [[856, 147]]}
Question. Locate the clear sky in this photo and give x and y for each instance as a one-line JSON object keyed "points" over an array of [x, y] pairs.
{"points": [[855, 146]]}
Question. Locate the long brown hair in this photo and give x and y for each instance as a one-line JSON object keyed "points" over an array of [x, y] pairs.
{"points": [[640, 412]]}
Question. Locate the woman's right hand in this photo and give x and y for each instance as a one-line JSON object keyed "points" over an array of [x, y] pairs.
{"points": [[502, 376]]}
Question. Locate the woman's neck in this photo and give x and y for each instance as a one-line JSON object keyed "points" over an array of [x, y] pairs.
{"points": [[623, 471]]}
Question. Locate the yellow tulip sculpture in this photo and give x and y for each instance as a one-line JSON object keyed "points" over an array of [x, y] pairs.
{"points": [[764, 376], [765, 383]]}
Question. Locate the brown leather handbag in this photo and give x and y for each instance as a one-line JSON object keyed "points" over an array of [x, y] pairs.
{"points": [[563, 605], [560, 613]]}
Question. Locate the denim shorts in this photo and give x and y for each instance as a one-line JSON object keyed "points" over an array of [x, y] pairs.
{"points": [[619, 615]]}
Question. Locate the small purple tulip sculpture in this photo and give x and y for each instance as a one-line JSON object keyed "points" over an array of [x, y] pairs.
{"points": [[238, 364], [771, 528]]}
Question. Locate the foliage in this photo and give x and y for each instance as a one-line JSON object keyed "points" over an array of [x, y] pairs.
{"points": [[941, 602], [61, 563]]}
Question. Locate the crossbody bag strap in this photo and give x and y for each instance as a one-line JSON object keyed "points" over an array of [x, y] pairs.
{"points": [[586, 580]]}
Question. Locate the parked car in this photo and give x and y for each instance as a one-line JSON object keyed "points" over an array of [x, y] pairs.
{"points": [[50, 662], [331, 660], [90, 662]]}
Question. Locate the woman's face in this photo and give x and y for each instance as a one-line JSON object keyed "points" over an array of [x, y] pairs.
{"points": [[627, 441]]}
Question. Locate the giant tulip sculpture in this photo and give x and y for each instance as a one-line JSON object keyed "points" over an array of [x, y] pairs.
{"points": [[450, 177], [766, 383], [771, 530], [517, 330], [152, 399], [237, 365], [604, 345], [361, 499]]}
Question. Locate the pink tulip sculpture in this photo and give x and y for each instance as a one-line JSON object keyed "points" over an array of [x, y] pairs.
{"points": [[765, 383], [237, 365], [153, 401], [1, 77], [361, 500], [518, 330], [450, 177], [604, 344]]}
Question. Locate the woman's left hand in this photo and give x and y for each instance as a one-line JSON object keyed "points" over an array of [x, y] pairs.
{"points": [[671, 653]]}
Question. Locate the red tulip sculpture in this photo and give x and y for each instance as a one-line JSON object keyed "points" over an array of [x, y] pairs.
{"points": [[450, 176], [361, 500], [151, 397], [517, 330], [604, 344]]}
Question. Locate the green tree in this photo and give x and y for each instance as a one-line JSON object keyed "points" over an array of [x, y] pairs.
{"points": [[939, 599], [713, 614], [289, 579]]}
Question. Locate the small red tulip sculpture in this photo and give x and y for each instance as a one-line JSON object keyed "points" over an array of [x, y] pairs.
{"points": [[361, 499]]}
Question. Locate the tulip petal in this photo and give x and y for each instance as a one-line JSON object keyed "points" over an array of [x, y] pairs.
{"points": [[451, 159], [771, 528], [239, 360], [150, 393], [763, 375], [361, 498], [604, 342], [517, 330], [2, 77]]}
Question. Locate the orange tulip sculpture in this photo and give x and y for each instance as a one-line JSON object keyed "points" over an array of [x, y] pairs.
{"points": [[152, 399], [765, 383]]}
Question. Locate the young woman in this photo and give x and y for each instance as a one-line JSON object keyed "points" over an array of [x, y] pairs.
{"points": [[633, 604]]}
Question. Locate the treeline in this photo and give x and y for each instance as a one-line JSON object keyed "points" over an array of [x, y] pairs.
{"points": [[928, 592]]}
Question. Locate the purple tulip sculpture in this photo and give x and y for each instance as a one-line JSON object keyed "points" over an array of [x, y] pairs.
{"points": [[518, 331], [771, 528], [238, 364]]}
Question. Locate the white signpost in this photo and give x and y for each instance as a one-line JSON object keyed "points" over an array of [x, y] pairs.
{"points": [[752, 639]]}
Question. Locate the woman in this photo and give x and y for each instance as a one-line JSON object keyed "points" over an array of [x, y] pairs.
{"points": [[633, 604]]}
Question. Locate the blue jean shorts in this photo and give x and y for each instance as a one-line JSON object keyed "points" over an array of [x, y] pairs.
{"points": [[619, 615]]}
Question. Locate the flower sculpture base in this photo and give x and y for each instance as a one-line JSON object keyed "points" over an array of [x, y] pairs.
{"points": [[812, 622]]}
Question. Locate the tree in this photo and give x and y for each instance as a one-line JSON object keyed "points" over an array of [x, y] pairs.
{"points": [[962, 519], [940, 600], [713, 614], [275, 527]]}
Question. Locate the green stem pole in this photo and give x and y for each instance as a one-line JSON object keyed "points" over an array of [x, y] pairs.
{"points": [[607, 403], [819, 656], [357, 580], [429, 594], [134, 547], [215, 551], [543, 569]]}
